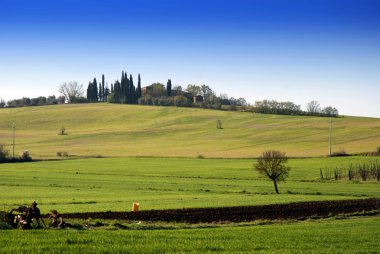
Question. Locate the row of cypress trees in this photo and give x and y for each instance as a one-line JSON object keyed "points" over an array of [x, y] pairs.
{"points": [[97, 93], [123, 91]]}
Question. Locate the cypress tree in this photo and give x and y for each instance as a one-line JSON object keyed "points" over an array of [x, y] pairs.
{"points": [[117, 91], [122, 87], [95, 90], [127, 88], [106, 93], [112, 88], [169, 88], [100, 92], [132, 91], [138, 90], [89, 92], [103, 91]]}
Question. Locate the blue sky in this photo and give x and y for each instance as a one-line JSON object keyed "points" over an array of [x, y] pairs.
{"points": [[297, 50]]}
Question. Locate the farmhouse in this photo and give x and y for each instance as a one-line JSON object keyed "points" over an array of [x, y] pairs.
{"points": [[152, 88], [198, 99], [182, 93]]}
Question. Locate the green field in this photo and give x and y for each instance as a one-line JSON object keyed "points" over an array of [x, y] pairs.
{"points": [[354, 235], [151, 156], [159, 183], [131, 130]]}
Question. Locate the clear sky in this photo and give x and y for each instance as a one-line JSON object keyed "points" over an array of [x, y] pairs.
{"points": [[297, 50]]}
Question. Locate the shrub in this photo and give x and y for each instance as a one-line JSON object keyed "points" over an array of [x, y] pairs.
{"points": [[219, 124], [375, 153], [4, 153], [4, 225], [363, 172], [25, 156], [62, 131], [62, 154], [340, 153]]}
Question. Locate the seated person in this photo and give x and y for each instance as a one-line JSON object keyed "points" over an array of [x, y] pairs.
{"points": [[21, 219], [33, 212], [56, 219]]}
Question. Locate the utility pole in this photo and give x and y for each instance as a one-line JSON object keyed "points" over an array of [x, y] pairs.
{"points": [[330, 134], [14, 136]]}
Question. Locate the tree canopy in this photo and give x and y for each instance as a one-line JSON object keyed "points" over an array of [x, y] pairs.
{"points": [[272, 165]]}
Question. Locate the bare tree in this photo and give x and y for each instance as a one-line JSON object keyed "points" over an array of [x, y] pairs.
{"points": [[207, 92], [272, 164], [71, 91], [313, 107]]}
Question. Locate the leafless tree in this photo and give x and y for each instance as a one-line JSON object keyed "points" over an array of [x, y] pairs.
{"points": [[71, 91], [272, 164], [313, 107], [207, 92]]}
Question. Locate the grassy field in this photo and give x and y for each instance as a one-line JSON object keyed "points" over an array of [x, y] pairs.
{"points": [[159, 183], [137, 138], [125, 130], [353, 235]]}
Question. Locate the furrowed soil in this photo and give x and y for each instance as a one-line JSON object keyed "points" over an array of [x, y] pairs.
{"points": [[301, 210]]}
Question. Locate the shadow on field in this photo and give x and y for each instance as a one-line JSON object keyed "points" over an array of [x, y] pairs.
{"points": [[300, 210]]}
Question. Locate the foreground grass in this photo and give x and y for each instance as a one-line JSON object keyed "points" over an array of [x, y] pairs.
{"points": [[354, 235], [131, 130], [161, 183]]}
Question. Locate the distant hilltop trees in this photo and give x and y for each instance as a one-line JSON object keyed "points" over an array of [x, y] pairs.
{"points": [[38, 101], [289, 108], [124, 91]]}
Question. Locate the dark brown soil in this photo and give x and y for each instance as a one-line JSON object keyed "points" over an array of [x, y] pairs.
{"points": [[301, 210]]}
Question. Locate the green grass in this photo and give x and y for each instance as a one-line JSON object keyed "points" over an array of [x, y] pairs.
{"points": [[127, 130], [161, 183], [354, 235], [130, 132]]}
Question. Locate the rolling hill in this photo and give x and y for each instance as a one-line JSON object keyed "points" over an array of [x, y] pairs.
{"points": [[132, 130]]}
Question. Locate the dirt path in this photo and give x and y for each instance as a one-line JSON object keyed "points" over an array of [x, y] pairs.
{"points": [[301, 210]]}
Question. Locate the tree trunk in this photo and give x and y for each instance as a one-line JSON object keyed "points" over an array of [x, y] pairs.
{"points": [[275, 186]]}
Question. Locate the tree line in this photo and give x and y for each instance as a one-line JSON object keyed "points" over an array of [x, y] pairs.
{"points": [[38, 101], [124, 91], [313, 108], [5, 156]]}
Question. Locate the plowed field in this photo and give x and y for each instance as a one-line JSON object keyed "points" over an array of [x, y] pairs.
{"points": [[301, 210]]}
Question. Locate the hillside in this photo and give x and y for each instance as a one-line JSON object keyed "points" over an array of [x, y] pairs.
{"points": [[131, 130]]}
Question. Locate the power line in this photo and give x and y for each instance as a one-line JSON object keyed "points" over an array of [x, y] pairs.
{"points": [[330, 134]]}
